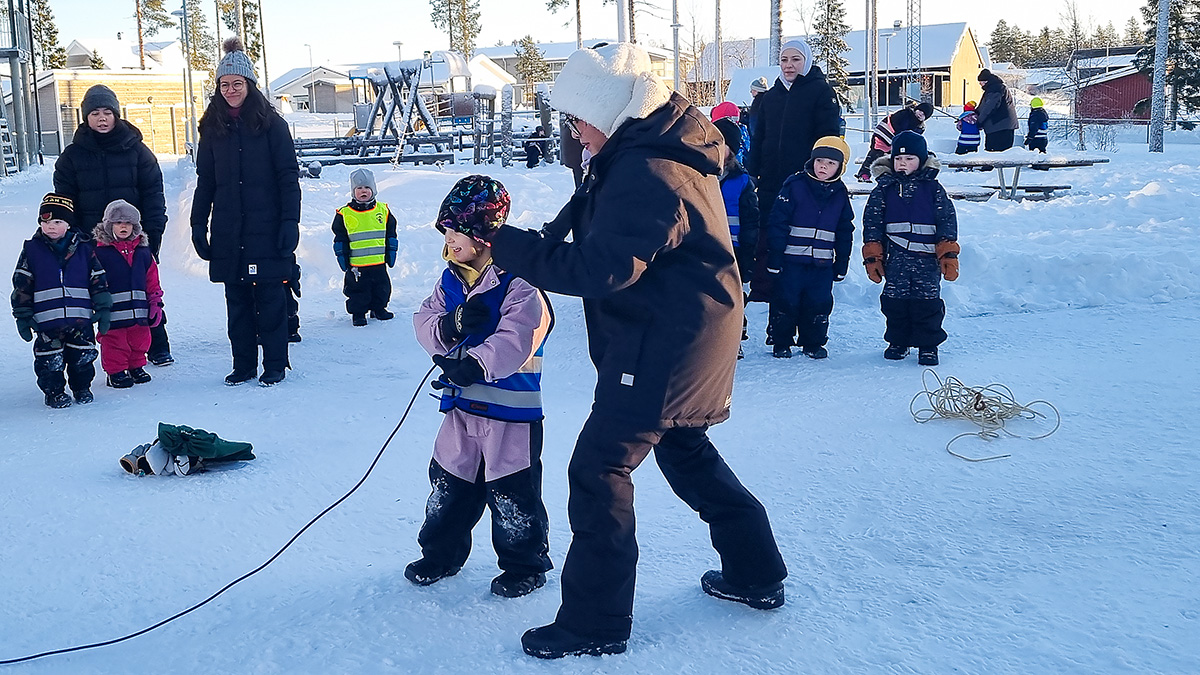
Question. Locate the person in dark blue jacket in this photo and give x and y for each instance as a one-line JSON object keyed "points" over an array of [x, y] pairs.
{"points": [[246, 180], [809, 238], [741, 204], [910, 236], [1038, 136]]}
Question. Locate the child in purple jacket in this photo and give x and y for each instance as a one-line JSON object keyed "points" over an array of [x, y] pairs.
{"points": [[484, 328]]}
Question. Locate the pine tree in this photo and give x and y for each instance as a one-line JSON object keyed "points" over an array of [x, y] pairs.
{"points": [[252, 38], [531, 65], [200, 39], [1000, 43], [1134, 33], [829, 44], [1183, 52], [95, 62], [151, 18], [460, 19], [45, 36], [1106, 36]]}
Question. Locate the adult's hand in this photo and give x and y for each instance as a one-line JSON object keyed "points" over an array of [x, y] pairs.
{"points": [[200, 243], [289, 238]]}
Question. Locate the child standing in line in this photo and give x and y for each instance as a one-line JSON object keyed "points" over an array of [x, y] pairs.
{"points": [[59, 289], [968, 130], [364, 241], [910, 234], [741, 204], [132, 274], [485, 329], [909, 118], [1038, 135], [809, 237]]}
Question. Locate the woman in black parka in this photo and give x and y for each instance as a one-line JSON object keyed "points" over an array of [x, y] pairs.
{"points": [[997, 113], [247, 179]]}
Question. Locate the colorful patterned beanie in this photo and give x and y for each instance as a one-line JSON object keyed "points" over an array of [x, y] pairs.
{"points": [[476, 204]]}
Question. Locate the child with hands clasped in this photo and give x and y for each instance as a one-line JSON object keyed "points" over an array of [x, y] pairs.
{"points": [[910, 234], [809, 238], [364, 241], [59, 289], [132, 274], [484, 328]]}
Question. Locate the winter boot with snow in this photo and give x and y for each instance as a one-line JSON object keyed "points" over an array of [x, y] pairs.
{"points": [[759, 597], [239, 376], [359, 319], [58, 399], [271, 378], [555, 642], [161, 359], [83, 396], [895, 352], [815, 352], [139, 375], [382, 314], [781, 352], [120, 380], [927, 356], [423, 573], [515, 584]]}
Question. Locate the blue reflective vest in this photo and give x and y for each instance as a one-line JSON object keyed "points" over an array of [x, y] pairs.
{"points": [[911, 221], [61, 289], [968, 129], [731, 193], [516, 398], [127, 283], [813, 229]]}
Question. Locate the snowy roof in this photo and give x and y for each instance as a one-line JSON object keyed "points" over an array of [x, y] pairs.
{"points": [[1115, 74], [739, 82], [298, 78], [123, 54], [939, 44], [486, 72]]}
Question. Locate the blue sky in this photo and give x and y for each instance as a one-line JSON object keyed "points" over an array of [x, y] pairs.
{"points": [[364, 30]]}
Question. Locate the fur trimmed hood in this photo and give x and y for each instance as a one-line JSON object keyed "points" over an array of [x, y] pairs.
{"points": [[607, 86], [882, 168], [120, 211]]}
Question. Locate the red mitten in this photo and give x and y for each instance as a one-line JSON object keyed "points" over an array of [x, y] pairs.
{"points": [[155, 314], [872, 252], [947, 255]]}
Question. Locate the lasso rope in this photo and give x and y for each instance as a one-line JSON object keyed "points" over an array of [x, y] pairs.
{"points": [[988, 407]]}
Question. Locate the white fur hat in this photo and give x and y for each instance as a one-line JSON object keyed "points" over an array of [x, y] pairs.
{"points": [[606, 86]]}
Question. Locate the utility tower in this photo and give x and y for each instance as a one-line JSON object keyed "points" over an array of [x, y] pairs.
{"points": [[913, 71]]}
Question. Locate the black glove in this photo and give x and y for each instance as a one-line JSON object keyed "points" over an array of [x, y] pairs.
{"points": [[200, 243], [467, 318], [460, 373], [25, 327], [289, 238]]}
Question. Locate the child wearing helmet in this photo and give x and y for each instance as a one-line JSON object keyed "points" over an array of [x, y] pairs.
{"points": [[968, 130], [485, 329], [1038, 136], [809, 237]]}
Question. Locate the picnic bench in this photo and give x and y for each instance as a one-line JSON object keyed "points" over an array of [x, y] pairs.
{"points": [[1017, 160], [967, 192]]}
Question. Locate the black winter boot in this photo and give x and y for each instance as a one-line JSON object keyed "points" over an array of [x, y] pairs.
{"points": [[120, 380], [423, 573], [239, 376], [895, 352], [761, 597], [781, 352], [58, 399], [815, 352], [161, 359], [553, 642], [927, 356], [359, 319], [382, 314], [139, 375], [515, 584], [271, 377], [83, 396]]}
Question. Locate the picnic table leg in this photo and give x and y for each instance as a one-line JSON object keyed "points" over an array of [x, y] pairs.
{"points": [[1015, 182], [1003, 187]]}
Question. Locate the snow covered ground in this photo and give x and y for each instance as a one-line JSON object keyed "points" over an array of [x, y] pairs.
{"points": [[1079, 554]]}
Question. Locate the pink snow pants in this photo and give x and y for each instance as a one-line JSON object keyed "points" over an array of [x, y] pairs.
{"points": [[124, 348]]}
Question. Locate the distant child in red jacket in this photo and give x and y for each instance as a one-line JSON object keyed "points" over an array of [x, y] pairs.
{"points": [[124, 251]]}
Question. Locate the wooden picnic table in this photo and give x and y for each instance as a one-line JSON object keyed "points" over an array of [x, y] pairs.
{"points": [[1018, 161], [967, 192]]}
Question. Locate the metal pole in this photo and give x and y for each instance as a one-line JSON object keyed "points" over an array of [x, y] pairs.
{"points": [[312, 83], [675, 26], [37, 102], [262, 36], [871, 71], [719, 78], [1158, 106], [622, 23]]}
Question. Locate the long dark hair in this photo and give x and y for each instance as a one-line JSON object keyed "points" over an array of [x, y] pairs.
{"points": [[256, 112]]}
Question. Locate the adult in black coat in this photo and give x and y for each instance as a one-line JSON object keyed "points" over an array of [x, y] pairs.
{"points": [[793, 114], [652, 259], [997, 113], [247, 180], [107, 161]]}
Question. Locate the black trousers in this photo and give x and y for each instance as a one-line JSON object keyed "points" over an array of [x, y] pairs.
{"points": [[872, 155], [997, 141], [1039, 144], [964, 149], [520, 526], [257, 314], [72, 349], [804, 301], [601, 565], [367, 288], [913, 322], [160, 344]]}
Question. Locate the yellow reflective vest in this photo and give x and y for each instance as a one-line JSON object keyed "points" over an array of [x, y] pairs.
{"points": [[368, 234]]}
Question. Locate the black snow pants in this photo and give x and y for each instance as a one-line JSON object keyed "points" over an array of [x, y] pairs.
{"points": [[520, 525], [913, 322], [600, 569], [367, 288], [804, 301], [72, 349], [257, 314]]}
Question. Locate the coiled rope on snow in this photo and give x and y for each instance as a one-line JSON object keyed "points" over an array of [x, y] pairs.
{"points": [[988, 407]]}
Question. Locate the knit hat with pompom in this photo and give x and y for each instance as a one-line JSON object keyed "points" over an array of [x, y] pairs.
{"points": [[235, 61]]}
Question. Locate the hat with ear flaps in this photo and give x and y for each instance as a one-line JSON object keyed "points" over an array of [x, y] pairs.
{"points": [[609, 85], [835, 148]]}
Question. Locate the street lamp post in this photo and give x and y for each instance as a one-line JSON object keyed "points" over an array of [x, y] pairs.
{"points": [[887, 77], [192, 133], [399, 54], [312, 83]]}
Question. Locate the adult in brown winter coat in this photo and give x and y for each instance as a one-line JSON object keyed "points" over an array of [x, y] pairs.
{"points": [[652, 259]]}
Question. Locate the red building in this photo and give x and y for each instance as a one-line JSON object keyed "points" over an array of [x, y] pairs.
{"points": [[1113, 95]]}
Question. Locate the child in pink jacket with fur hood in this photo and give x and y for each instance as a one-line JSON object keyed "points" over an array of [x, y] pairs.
{"points": [[124, 251], [484, 328]]}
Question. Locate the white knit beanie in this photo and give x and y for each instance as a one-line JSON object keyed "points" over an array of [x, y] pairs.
{"points": [[606, 86]]}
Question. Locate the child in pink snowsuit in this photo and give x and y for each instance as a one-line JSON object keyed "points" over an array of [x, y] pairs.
{"points": [[124, 251], [484, 328]]}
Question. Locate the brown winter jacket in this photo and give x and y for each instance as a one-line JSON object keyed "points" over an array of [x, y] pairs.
{"points": [[652, 259]]}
